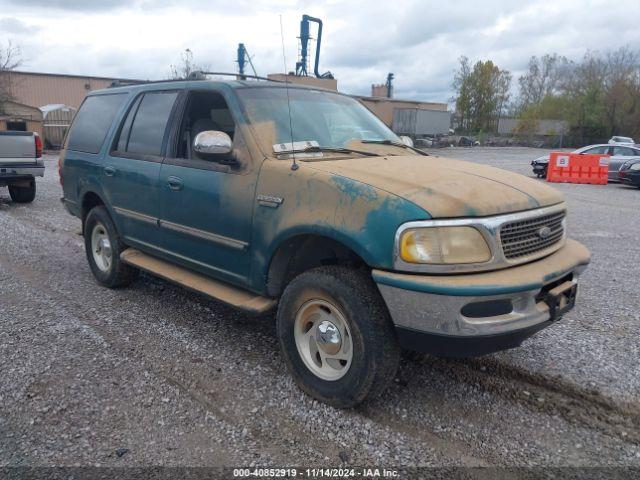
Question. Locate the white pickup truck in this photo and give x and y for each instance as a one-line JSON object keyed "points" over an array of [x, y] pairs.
{"points": [[20, 162]]}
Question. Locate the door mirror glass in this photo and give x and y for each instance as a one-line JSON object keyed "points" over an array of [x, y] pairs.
{"points": [[212, 142]]}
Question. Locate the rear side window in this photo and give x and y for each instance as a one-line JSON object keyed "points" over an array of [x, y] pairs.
{"points": [[602, 149], [144, 128], [93, 121], [623, 151]]}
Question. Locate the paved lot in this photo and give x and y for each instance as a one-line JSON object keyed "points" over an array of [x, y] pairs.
{"points": [[155, 375]]}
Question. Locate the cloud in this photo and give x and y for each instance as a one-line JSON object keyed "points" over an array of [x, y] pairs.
{"points": [[419, 41], [80, 5], [14, 26]]}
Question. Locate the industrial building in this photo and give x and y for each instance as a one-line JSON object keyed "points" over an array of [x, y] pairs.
{"points": [[45, 102], [390, 110], [39, 89]]}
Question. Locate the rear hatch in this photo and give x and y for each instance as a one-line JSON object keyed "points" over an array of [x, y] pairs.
{"points": [[17, 148]]}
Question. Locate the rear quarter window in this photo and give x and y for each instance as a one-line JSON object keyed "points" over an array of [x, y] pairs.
{"points": [[150, 122], [93, 121]]}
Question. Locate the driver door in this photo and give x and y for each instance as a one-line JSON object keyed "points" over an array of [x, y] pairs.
{"points": [[207, 205]]}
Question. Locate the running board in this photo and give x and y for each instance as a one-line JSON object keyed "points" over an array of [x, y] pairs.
{"points": [[229, 294]]}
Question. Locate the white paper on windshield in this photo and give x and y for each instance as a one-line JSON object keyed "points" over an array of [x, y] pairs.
{"points": [[287, 147]]}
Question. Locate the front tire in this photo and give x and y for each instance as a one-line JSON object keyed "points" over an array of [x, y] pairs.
{"points": [[20, 194], [103, 247], [336, 336]]}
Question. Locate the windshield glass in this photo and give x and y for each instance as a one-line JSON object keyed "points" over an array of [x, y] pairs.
{"points": [[331, 120]]}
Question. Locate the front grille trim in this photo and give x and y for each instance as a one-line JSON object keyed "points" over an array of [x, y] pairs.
{"points": [[519, 238]]}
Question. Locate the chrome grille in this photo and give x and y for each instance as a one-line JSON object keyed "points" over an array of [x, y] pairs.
{"points": [[522, 238]]}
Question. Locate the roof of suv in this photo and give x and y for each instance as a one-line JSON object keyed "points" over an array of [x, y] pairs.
{"points": [[234, 84]]}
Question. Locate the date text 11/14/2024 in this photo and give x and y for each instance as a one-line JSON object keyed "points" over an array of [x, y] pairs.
{"points": [[315, 473]]}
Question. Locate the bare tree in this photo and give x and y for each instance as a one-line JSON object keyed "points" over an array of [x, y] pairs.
{"points": [[186, 67], [598, 95], [543, 78], [10, 59]]}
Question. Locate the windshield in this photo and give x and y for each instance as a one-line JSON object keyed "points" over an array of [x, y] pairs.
{"points": [[331, 120]]}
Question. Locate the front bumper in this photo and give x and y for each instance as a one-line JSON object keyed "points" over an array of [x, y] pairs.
{"points": [[472, 314], [539, 167], [629, 178]]}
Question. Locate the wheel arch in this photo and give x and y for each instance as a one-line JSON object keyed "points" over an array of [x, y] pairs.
{"points": [[90, 199], [304, 251]]}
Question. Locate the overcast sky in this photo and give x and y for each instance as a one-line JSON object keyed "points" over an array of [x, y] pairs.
{"points": [[420, 41]]}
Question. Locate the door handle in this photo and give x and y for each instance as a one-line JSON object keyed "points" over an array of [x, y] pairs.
{"points": [[174, 183], [109, 171]]}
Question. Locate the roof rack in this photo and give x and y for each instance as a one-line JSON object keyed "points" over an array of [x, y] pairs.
{"points": [[197, 75], [201, 75]]}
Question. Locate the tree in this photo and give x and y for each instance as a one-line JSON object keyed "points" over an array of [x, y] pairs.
{"points": [[482, 93], [542, 78], [10, 59], [186, 68], [462, 86]]}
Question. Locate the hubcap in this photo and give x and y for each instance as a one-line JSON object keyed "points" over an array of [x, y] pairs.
{"points": [[101, 247], [323, 339]]}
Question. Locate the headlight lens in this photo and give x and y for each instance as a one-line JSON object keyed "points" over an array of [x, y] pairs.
{"points": [[635, 166], [444, 245]]}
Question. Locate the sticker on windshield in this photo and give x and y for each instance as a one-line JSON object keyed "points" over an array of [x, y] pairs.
{"points": [[295, 146], [304, 149]]}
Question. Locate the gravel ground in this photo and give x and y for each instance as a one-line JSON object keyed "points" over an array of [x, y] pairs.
{"points": [[156, 375]]}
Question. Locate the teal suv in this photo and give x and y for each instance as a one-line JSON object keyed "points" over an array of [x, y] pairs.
{"points": [[268, 196]]}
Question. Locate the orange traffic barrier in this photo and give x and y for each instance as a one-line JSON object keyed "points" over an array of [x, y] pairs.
{"points": [[578, 168]]}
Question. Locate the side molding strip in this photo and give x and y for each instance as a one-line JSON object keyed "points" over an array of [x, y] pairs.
{"points": [[226, 241], [212, 237], [136, 215]]}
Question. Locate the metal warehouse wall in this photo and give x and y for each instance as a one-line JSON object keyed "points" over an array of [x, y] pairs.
{"points": [[383, 108], [416, 122], [506, 126], [38, 89]]}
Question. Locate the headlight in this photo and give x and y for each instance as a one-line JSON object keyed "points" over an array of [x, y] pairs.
{"points": [[635, 166], [444, 245]]}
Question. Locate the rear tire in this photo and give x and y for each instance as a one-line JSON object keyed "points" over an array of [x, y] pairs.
{"points": [[21, 194], [103, 247], [343, 368]]}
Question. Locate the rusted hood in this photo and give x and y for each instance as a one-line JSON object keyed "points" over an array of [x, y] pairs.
{"points": [[444, 187]]}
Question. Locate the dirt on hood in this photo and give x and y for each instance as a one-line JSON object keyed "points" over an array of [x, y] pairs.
{"points": [[444, 187]]}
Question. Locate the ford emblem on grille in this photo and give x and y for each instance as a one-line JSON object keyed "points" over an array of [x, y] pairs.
{"points": [[544, 232]]}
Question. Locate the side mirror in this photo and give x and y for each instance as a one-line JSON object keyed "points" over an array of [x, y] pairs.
{"points": [[212, 142], [406, 140]]}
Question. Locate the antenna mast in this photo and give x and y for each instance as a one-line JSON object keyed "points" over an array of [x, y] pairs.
{"points": [[294, 165]]}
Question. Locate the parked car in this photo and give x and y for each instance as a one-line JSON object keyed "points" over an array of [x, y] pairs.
{"points": [[621, 140], [619, 155], [20, 163], [364, 245], [629, 173]]}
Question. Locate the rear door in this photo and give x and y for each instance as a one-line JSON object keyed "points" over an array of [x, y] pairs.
{"points": [[131, 169]]}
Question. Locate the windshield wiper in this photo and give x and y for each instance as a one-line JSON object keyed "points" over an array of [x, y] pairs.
{"points": [[312, 149], [395, 144]]}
